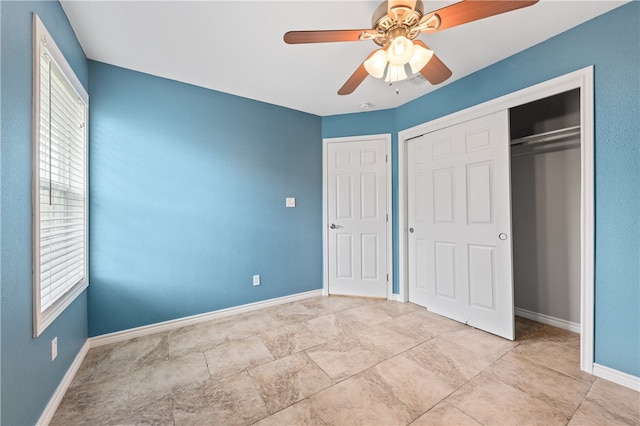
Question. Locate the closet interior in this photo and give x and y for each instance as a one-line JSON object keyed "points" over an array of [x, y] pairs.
{"points": [[545, 195]]}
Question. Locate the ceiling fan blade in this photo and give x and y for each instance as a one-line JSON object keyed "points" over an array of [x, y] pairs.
{"points": [[356, 78], [324, 36], [435, 71], [472, 10]]}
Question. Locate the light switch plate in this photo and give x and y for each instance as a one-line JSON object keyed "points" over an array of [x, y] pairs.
{"points": [[54, 348], [290, 202]]}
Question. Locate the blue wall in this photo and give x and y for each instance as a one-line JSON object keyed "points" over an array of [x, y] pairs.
{"points": [[611, 43], [29, 378], [188, 190]]}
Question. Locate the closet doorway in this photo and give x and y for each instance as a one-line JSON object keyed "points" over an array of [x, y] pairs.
{"points": [[545, 206], [578, 84]]}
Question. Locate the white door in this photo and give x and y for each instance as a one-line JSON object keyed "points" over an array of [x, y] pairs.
{"points": [[357, 217], [460, 262]]}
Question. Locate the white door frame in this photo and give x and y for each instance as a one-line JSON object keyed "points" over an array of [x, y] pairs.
{"points": [[581, 79], [325, 224]]}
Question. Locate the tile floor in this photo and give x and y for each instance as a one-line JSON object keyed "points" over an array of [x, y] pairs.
{"points": [[343, 361]]}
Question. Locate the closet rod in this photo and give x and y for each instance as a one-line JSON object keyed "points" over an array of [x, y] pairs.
{"points": [[551, 136]]}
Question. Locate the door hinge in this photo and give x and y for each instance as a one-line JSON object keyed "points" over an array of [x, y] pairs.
{"points": [[386, 158], [387, 218], [387, 277]]}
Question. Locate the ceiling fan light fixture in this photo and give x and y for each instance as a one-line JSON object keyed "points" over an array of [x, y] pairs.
{"points": [[400, 51], [395, 73], [421, 57], [395, 25], [376, 64]]}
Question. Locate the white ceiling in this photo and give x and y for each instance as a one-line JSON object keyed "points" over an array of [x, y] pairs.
{"points": [[236, 46]]}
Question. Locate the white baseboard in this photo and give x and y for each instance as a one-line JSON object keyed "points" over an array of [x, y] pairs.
{"points": [[548, 319], [615, 376], [146, 330], [55, 400]]}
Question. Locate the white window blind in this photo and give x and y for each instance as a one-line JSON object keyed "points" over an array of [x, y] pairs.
{"points": [[60, 182]]}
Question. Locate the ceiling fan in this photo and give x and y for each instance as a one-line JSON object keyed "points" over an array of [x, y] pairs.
{"points": [[395, 26]]}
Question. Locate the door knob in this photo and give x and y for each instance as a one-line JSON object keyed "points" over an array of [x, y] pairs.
{"points": [[411, 230], [502, 236], [334, 226]]}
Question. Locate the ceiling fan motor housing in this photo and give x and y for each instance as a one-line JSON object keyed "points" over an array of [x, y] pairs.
{"points": [[401, 20]]}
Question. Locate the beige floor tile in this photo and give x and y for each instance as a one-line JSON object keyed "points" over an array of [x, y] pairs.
{"points": [[291, 339], [289, 380], [323, 305], [299, 414], [448, 359], [359, 401], [96, 366], [413, 325], [524, 328], [352, 301], [198, 337], [207, 335], [308, 309], [559, 390], [121, 359], [479, 343], [398, 309], [344, 357], [387, 339], [166, 378], [591, 413], [233, 357], [492, 402], [444, 414], [232, 401], [335, 325], [67, 417], [257, 322], [342, 360], [558, 357], [547, 333], [616, 399], [295, 313], [417, 386], [92, 402], [368, 314], [425, 323], [159, 412], [143, 351]]}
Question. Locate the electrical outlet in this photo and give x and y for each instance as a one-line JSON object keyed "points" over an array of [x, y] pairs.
{"points": [[54, 348], [256, 280]]}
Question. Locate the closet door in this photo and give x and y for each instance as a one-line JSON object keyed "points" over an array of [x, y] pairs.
{"points": [[460, 257]]}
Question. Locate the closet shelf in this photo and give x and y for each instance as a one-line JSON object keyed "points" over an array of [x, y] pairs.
{"points": [[552, 136]]}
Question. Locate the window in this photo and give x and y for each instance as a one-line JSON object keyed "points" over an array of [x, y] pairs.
{"points": [[60, 243]]}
